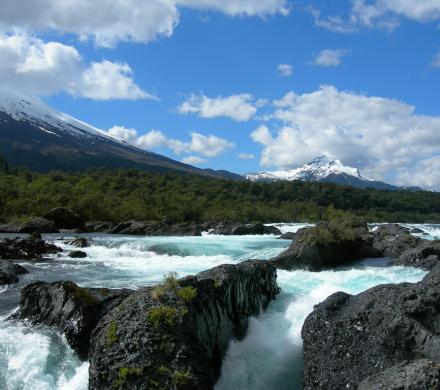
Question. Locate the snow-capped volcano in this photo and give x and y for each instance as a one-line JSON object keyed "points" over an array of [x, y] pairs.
{"points": [[322, 169], [35, 135]]}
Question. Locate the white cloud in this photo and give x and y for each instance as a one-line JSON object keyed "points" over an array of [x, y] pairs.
{"points": [[329, 57], [381, 136], [194, 160], [31, 65], [380, 13], [121, 132], [108, 22], [285, 70], [206, 145], [246, 156], [240, 107]]}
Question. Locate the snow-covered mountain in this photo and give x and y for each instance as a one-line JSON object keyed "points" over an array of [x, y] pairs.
{"points": [[322, 169], [34, 135]]}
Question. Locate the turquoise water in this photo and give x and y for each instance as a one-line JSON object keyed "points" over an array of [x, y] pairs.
{"points": [[268, 358]]}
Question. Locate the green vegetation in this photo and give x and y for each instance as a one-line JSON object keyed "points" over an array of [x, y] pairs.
{"points": [[157, 292], [181, 378], [120, 195], [125, 372], [187, 294], [112, 336], [333, 231], [163, 315], [170, 282]]}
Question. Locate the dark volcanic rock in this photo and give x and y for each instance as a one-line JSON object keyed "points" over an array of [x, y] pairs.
{"points": [[79, 242], [349, 338], [73, 310], [392, 240], [233, 229], [98, 226], [25, 249], [421, 374], [9, 272], [151, 228], [287, 236], [65, 219], [176, 337], [38, 225], [417, 231], [326, 245], [77, 255], [426, 255]]}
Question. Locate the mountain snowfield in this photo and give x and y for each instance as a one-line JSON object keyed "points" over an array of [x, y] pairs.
{"points": [[322, 169]]}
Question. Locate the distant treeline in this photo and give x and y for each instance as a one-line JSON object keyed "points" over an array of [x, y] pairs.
{"points": [[119, 195]]}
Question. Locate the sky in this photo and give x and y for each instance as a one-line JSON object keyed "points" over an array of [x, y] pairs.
{"points": [[241, 85]]}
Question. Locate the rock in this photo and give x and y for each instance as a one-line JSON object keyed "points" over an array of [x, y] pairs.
{"points": [[79, 242], [75, 311], [287, 236], [65, 219], [231, 229], [327, 245], [426, 255], [421, 374], [417, 231], [391, 229], [77, 255], [392, 240], [350, 338], [25, 249], [98, 226], [38, 225], [151, 228], [175, 336], [10, 227], [9, 272]]}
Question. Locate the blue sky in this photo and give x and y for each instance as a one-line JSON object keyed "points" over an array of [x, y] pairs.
{"points": [[361, 79]]}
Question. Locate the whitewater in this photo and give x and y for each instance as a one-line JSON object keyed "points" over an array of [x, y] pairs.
{"points": [[270, 357]]}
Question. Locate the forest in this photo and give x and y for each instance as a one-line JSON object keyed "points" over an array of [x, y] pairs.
{"points": [[127, 194]]}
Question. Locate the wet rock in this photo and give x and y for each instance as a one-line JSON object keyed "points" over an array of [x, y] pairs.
{"points": [[98, 226], [38, 225], [287, 236], [25, 249], [151, 228], [79, 242], [65, 219], [350, 338], [421, 374], [10, 271], [232, 229], [75, 311], [327, 245], [392, 240], [77, 255], [426, 256], [416, 231], [175, 336]]}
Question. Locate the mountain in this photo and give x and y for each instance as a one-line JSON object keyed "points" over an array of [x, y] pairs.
{"points": [[36, 136], [323, 169]]}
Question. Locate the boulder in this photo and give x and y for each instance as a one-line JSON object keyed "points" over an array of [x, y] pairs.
{"points": [[175, 336], [287, 236], [73, 310], [98, 226], [38, 225], [349, 338], [417, 231], [422, 374], [233, 229], [152, 228], [426, 255], [25, 249], [10, 227], [77, 255], [64, 218], [79, 242], [327, 245], [392, 240], [10, 271]]}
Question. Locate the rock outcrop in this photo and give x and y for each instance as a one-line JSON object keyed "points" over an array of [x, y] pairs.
{"points": [[425, 255], [151, 228], [234, 229], [373, 336], [25, 248], [65, 219], [327, 245], [10, 271], [37, 225], [287, 236], [175, 336], [393, 240], [75, 311]]}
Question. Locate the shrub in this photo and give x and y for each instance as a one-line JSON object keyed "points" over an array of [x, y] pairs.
{"points": [[112, 336], [187, 294], [162, 315]]}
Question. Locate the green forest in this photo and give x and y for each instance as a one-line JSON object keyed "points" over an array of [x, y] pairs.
{"points": [[120, 195]]}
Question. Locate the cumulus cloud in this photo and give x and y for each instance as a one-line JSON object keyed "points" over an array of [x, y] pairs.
{"points": [[329, 57], [380, 13], [34, 66], [379, 135], [285, 70], [239, 108], [108, 22], [194, 160], [122, 133], [246, 156], [206, 145]]}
